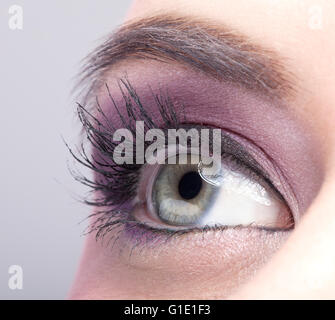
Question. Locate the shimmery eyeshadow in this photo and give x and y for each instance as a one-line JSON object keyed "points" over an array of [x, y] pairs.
{"points": [[267, 123]]}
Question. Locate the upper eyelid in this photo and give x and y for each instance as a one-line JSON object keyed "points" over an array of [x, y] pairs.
{"points": [[214, 49]]}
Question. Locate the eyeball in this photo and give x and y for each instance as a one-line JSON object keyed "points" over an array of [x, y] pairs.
{"points": [[182, 195]]}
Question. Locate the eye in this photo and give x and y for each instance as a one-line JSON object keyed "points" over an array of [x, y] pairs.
{"points": [[145, 201], [183, 196]]}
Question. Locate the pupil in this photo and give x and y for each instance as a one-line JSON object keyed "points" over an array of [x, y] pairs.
{"points": [[190, 185]]}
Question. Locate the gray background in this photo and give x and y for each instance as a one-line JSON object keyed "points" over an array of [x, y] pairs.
{"points": [[39, 213]]}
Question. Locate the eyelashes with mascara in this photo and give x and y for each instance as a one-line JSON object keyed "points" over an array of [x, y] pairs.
{"points": [[114, 187]]}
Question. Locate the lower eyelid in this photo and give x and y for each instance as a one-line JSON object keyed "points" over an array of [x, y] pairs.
{"points": [[188, 260], [140, 243]]}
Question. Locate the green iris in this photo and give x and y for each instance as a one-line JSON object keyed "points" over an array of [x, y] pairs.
{"points": [[180, 196]]}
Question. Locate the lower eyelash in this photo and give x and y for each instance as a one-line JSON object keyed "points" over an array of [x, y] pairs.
{"points": [[141, 236], [123, 224]]}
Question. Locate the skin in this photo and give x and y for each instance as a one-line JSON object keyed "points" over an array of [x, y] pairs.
{"points": [[296, 265]]}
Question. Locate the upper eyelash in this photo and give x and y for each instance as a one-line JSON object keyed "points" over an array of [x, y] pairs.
{"points": [[123, 179], [100, 136]]}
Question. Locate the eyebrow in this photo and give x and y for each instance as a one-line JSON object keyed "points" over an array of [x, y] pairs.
{"points": [[214, 49]]}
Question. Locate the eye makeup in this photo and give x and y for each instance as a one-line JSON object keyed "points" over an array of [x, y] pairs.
{"points": [[269, 124], [119, 185], [113, 109]]}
